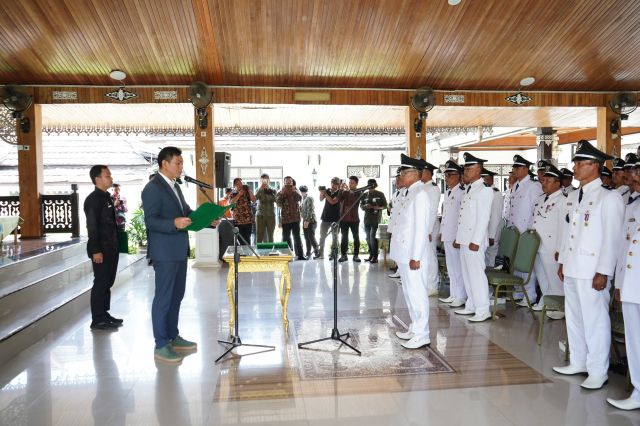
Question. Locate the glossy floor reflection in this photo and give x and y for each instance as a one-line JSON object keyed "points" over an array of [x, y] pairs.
{"points": [[501, 376]]}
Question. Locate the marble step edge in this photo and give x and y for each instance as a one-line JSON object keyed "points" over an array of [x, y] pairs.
{"points": [[83, 286], [32, 278], [32, 263]]}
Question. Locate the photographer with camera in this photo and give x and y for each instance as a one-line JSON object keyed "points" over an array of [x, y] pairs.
{"points": [[330, 214], [288, 199], [350, 220], [265, 216], [242, 212]]}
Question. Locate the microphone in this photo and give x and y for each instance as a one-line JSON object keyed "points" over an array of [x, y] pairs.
{"points": [[364, 188], [197, 182]]}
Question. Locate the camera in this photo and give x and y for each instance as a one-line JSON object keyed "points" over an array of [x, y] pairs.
{"points": [[245, 187], [322, 188]]}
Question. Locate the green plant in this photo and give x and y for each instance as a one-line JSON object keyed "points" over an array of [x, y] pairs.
{"points": [[133, 249], [364, 247], [137, 229]]}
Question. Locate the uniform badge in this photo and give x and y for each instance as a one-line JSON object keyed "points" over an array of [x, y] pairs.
{"points": [[586, 218]]}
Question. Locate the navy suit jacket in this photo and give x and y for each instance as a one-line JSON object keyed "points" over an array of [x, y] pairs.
{"points": [[161, 207]]}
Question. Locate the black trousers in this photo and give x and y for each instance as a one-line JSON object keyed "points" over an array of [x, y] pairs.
{"points": [[372, 241], [310, 237], [287, 230], [104, 275], [344, 242], [245, 232]]}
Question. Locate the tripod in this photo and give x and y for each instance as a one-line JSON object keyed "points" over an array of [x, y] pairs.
{"points": [[335, 332], [234, 339]]}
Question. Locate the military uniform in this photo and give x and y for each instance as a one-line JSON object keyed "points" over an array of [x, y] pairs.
{"points": [[593, 220], [448, 229], [524, 196], [628, 283], [495, 222], [431, 271], [548, 220], [473, 225], [408, 243]]}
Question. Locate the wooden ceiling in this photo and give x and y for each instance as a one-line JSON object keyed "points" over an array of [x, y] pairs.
{"points": [[586, 45]]}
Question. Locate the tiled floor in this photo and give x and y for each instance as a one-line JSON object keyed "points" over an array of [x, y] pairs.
{"points": [[77, 377]]}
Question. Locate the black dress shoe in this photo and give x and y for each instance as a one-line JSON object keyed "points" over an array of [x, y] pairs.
{"points": [[104, 325], [368, 259], [356, 259], [343, 259], [374, 260], [114, 319]]}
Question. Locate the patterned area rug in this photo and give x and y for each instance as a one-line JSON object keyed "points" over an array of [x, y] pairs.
{"points": [[382, 354]]}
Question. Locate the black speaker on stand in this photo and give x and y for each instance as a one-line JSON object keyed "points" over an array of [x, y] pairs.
{"points": [[223, 169]]}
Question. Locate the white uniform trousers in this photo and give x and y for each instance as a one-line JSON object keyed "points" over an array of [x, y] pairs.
{"points": [[588, 325], [490, 255], [431, 270], [631, 313], [415, 295], [546, 269], [475, 279], [454, 269]]}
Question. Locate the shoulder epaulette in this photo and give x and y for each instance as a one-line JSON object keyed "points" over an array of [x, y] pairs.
{"points": [[434, 184], [495, 189]]}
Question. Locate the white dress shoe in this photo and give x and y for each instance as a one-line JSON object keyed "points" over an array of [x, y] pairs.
{"points": [[624, 404], [432, 292], [404, 335], [394, 275], [594, 382], [447, 299], [464, 311], [537, 307], [523, 303], [569, 370], [480, 318], [555, 315], [457, 303], [417, 342]]}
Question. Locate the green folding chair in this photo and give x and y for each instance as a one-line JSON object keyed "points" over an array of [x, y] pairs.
{"points": [[507, 247], [507, 282], [551, 303]]}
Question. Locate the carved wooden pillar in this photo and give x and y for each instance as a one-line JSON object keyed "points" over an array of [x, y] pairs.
{"points": [[608, 142], [205, 154], [416, 143], [30, 171], [544, 140]]}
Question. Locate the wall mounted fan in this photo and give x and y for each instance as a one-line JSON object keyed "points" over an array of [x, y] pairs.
{"points": [[201, 96], [17, 100]]}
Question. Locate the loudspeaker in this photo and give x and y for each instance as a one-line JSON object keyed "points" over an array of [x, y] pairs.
{"points": [[223, 169]]}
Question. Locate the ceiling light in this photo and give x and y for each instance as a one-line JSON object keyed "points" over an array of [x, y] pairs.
{"points": [[527, 81], [118, 75], [454, 2]]}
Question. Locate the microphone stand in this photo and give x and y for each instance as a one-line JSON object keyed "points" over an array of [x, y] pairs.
{"points": [[234, 339], [335, 332]]}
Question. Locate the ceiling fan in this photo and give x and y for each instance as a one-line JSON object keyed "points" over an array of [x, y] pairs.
{"points": [[201, 96]]}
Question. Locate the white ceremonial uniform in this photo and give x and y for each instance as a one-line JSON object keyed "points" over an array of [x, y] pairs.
{"points": [[566, 190], [473, 225], [408, 242], [431, 271], [548, 220], [525, 194], [625, 192], [495, 227], [594, 226], [396, 204], [448, 230], [628, 282]]}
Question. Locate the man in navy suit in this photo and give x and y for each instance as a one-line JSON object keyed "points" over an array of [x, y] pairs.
{"points": [[166, 212]]}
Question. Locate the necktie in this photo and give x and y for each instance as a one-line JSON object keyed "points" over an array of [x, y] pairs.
{"points": [[449, 193], [580, 195], [468, 188], [517, 185], [176, 189], [546, 198], [631, 200]]}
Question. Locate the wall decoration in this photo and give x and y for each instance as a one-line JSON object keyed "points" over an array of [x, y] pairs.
{"points": [[518, 98], [121, 95]]}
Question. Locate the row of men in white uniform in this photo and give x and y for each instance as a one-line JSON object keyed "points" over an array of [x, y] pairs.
{"points": [[579, 231]]}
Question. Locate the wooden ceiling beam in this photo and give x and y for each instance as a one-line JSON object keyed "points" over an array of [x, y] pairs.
{"points": [[43, 95], [589, 134]]}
